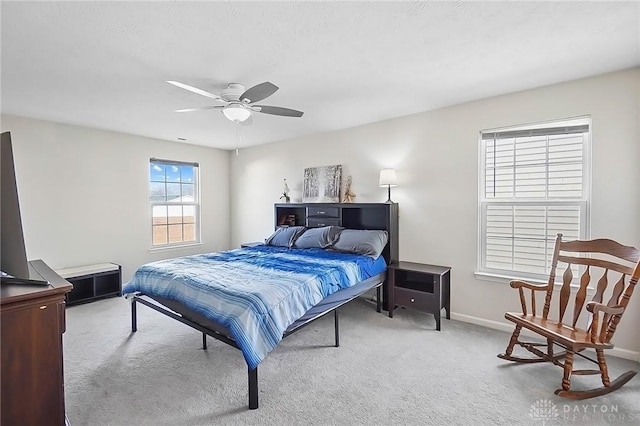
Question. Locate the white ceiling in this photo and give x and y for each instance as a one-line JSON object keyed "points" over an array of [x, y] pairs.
{"points": [[104, 64]]}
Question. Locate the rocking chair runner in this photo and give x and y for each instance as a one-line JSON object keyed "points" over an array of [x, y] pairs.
{"points": [[603, 318]]}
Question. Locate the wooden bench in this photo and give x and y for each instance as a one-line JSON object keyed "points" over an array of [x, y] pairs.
{"points": [[599, 262]]}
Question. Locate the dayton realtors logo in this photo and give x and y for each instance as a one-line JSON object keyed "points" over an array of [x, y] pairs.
{"points": [[546, 412], [609, 413]]}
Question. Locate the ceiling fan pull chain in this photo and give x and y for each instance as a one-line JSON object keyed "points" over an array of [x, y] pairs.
{"points": [[237, 136]]}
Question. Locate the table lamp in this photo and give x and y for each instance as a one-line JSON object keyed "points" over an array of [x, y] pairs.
{"points": [[388, 178]]}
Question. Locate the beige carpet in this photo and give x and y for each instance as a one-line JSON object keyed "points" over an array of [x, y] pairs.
{"points": [[386, 371]]}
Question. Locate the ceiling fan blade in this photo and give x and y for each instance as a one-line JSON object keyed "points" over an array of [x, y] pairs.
{"points": [[259, 92], [199, 108], [196, 90], [273, 110]]}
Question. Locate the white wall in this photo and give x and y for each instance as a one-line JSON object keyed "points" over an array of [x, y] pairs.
{"points": [[84, 193], [436, 156]]}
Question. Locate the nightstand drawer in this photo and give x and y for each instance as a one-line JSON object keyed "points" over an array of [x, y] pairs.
{"points": [[323, 212], [317, 222], [414, 299]]}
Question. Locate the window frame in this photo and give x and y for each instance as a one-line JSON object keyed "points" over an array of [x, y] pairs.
{"points": [[584, 203], [195, 204]]}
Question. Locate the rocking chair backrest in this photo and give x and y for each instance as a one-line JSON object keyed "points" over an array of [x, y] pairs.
{"points": [[599, 261]]}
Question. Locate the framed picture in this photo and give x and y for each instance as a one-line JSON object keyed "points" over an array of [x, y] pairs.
{"points": [[322, 184]]}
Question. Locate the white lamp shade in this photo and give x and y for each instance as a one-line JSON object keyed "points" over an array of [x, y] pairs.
{"points": [[236, 113], [388, 178]]}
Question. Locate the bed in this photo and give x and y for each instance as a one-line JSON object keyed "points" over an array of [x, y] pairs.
{"points": [[253, 297]]}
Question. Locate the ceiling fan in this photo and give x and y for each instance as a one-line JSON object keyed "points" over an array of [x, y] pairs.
{"points": [[239, 102]]}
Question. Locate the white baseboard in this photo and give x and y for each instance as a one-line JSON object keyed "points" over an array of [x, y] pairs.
{"points": [[626, 354], [508, 327]]}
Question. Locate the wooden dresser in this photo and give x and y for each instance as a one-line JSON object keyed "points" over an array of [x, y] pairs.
{"points": [[32, 322]]}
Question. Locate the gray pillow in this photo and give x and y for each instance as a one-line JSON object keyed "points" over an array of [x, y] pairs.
{"points": [[366, 242], [318, 237], [284, 236]]}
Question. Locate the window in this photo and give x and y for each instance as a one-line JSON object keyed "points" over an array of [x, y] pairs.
{"points": [[534, 183], [173, 194]]}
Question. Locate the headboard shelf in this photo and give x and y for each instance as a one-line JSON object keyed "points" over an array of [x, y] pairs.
{"points": [[382, 216]]}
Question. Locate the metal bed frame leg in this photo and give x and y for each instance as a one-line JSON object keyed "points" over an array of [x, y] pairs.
{"points": [[378, 301], [134, 316], [253, 388], [204, 341], [335, 318]]}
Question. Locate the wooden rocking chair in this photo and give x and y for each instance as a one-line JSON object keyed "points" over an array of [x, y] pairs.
{"points": [[602, 317]]}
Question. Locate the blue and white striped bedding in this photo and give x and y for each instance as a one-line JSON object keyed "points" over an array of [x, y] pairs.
{"points": [[256, 292]]}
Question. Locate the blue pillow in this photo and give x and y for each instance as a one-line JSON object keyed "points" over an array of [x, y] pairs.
{"points": [[284, 236], [318, 237], [367, 242]]}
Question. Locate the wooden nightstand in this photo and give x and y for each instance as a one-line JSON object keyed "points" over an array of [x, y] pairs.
{"points": [[419, 286]]}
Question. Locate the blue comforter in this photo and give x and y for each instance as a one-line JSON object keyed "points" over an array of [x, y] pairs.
{"points": [[256, 292]]}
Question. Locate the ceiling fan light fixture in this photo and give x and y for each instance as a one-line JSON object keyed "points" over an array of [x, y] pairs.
{"points": [[236, 113]]}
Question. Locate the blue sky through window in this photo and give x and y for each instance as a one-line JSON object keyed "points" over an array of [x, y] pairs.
{"points": [[171, 182], [156, 173], [170, 173]]}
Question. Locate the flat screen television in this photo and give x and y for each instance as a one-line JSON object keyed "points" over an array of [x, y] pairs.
{"points": [[13, 254]]}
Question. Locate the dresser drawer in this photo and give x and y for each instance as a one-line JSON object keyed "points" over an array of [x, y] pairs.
{"points": [[416, 299], [323, 211], [318, 222]]}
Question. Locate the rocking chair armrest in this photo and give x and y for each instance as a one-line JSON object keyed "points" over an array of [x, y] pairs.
{"points": [[534, 287], [594, 307]]}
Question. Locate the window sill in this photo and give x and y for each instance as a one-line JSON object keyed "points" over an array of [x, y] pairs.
{"points": [[175, 247], [505, 279]]}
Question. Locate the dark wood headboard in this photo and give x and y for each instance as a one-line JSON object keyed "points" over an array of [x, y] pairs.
{"points": [[382, 216]]}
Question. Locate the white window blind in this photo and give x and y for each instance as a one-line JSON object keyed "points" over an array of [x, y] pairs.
{"points": [[534, 184]]}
